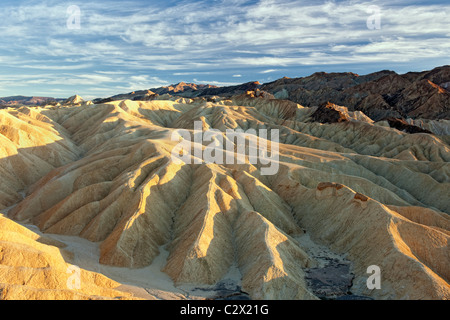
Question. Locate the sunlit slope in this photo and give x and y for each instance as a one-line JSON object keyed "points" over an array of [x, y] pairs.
{"points": [[35, 267], [105, 173]]}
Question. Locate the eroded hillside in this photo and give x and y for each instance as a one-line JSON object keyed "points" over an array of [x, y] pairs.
{"points": [[104, 173]]}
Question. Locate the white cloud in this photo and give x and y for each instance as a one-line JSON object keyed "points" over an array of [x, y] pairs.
{"points": [[54, 67], [265, 61], [128, 38], [144, 82], [190, 73], [216, 83], [187, 27], [268, 71]]}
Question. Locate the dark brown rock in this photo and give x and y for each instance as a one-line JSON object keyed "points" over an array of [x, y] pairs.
{"points": [[404, 126], [361, 197], [327, 113], [324, 185]]}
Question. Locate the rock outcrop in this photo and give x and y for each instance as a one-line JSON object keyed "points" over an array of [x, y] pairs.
{"points": [[404, 126], [74, 100], [328, 113]]}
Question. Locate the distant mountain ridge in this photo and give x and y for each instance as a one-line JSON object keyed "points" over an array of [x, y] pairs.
{"points": [[380, 95], [27, 101]]}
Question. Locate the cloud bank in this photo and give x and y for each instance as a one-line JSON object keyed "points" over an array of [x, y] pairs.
{"points": [[131, 45]]}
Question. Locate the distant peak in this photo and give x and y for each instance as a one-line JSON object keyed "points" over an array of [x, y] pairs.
{"points": [[76, 99]]}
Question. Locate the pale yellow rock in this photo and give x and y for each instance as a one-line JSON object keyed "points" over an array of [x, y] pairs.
{"points": [[271, 262], [32, 268], [374, 234], [105, 173]]}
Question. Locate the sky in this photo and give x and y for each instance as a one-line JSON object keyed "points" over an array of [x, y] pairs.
{"points": [[98, 49]]}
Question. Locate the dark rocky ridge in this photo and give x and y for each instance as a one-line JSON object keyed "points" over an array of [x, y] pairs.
{"points": [[210, 91], [379, 95], [327, 113], [404, 126]]}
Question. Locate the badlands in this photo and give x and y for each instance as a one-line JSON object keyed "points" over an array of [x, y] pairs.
{"points": [[92, 205]]}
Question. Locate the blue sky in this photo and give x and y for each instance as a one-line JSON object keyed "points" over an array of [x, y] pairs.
{"points": [[121, 46]]}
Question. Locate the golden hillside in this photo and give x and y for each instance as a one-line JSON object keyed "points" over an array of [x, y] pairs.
{"points": [[102, 176]]}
